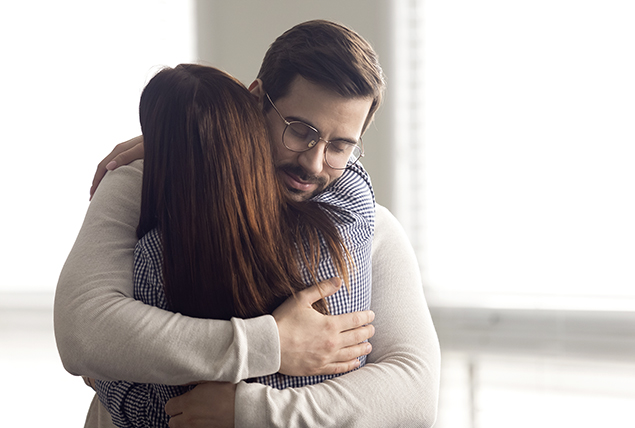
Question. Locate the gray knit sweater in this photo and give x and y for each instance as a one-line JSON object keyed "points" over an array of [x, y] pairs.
{"points": [[102, 332]]}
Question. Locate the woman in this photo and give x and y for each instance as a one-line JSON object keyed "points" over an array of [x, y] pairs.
{"points": [[218, 235]]}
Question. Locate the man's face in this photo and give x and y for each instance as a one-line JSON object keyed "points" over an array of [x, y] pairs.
{"points": [[306, 174]]}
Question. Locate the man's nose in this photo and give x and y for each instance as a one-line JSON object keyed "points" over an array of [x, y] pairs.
{"points": [[313, 160]]}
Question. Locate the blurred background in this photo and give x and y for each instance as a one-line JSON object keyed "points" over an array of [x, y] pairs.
{"points": [[505, 147]]}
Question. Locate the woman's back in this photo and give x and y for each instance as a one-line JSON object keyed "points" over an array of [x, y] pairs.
{"points": [[218, 237]]}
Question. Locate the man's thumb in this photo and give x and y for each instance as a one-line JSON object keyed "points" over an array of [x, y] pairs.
{"points": [[321, 290]]}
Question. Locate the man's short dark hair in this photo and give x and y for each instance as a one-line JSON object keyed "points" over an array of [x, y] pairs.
{"points": [[328, 54]]}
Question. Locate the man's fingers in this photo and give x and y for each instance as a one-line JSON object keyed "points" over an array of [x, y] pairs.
{"points": [[130, 155], [175, 421], [357, 335], [348, 357], [122, 154], [126, 145], [342, 367], [173, 407], [318, 291], [353, 320]]}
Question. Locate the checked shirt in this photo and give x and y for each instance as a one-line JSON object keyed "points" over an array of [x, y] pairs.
{"points": [[142, 405]]}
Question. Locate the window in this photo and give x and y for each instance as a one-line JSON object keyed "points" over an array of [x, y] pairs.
{"points": [[73, 72], [517, 122], [516, 148]]}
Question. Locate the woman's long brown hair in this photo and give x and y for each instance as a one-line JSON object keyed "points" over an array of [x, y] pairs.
{"points": [[232, 239]]}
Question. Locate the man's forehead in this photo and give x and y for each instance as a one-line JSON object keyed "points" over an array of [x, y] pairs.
{"points": [[307, 101]]}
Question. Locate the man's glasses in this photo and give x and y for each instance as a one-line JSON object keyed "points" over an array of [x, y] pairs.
{"points": [[300, 137]]}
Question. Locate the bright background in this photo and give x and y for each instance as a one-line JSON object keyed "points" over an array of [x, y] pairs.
{"points": [[529, 136], [72, 73]]}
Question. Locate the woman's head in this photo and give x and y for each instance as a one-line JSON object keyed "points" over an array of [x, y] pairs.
{"points": [[228, 229], [208, 178], [204, 135]]}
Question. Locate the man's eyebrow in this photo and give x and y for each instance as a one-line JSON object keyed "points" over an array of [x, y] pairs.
{"points": [[307, 122], [300, 119]]}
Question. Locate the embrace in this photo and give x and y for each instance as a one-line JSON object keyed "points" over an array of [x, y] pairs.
{"points": [[233, 268]]}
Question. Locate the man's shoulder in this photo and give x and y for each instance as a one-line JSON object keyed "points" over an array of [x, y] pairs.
{"points": [[134, 167], [384, 220], [118, 196], [389, 234], [124, 176]]}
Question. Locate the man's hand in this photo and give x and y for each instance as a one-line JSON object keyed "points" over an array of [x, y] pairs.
{"points": [[122, 154], [315, 344], [210, 404], [89, 381]]}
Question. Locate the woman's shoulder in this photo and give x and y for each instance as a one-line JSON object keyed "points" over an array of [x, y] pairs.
{"points": [[351, 194]]}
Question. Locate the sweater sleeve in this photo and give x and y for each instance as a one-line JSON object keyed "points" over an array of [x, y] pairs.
{"points": [[103, 332], [400, 384]]}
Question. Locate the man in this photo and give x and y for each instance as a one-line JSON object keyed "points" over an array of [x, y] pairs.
{"points": [[326, 77]]}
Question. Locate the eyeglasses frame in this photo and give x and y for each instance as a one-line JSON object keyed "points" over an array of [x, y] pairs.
{"points": [[360, 143]]}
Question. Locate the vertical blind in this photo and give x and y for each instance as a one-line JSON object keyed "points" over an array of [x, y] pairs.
{"points": [[516, 146]]}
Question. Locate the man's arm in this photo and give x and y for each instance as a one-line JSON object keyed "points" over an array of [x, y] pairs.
{"points": [[399, 385], [123, 154], [102, 332]]}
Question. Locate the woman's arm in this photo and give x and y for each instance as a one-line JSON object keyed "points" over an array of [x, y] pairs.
{"points": [[400, 384]]}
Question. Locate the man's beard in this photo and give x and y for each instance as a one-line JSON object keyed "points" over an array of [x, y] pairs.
{"points": [[298, 171]]}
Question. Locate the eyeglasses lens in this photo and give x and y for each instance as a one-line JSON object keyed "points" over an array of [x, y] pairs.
{"points": [[300, 137]]}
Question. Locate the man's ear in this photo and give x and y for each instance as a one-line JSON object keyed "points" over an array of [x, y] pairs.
{"points": [[257, 90]]}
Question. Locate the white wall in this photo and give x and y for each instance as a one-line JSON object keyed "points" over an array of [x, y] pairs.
{"points": [[234, 36]]}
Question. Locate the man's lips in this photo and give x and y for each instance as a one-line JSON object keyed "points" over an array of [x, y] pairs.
{"points": [[296, 182]]}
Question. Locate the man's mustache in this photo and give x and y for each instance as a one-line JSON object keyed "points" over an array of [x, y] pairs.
{"points": [[300, 172]]}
